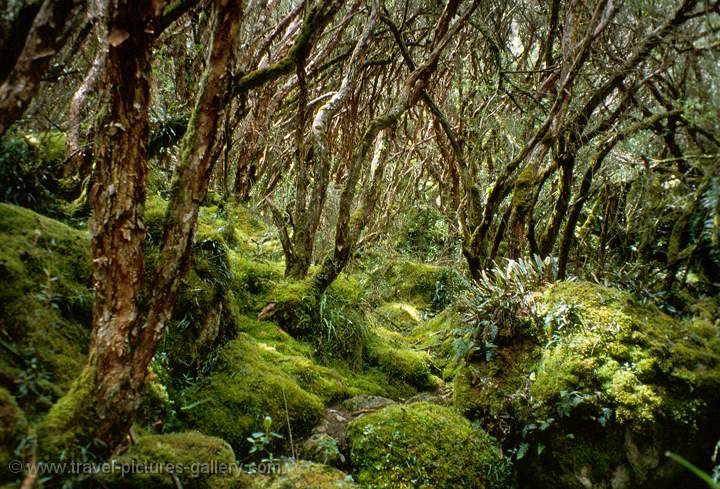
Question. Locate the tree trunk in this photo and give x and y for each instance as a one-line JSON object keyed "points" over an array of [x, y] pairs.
{"points": [[108, 392], [51, 27]]}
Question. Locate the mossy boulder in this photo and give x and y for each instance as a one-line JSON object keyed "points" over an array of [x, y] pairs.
{"points": [[598, 397], [423, 445], [437, 335], [195, 460], [45, 305], [398, 316], [309, 475], [389, 351], [252, 380], [423, 285]]}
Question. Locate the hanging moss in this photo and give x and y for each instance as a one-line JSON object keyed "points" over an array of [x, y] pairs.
{"points": [[423, 445]]}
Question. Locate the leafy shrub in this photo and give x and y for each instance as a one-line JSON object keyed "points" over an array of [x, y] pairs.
{"points": [[424, 234], [27, 177]]}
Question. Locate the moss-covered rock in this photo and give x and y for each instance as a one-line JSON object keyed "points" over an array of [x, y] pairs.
{"points": [[437, 335], [392, 355], [252, 380], [585, 401], [423, 445], [399, 316], [645, 365], [195, 460], [420, 284], [309, 475], [45, 305]]}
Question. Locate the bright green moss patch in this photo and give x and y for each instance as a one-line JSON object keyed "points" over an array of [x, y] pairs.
{"points": [[414, 283], [399, 316], [45, 303], [636, 357], [388, 352], [306, 475], [436, 336], [198, 461], [68, 426], [252, 380], [423, 445]]}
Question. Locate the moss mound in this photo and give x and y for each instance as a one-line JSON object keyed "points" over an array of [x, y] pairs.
{"points": [[303, 475], [196, 461], [389, 351], [45, 306], [586, 399], [423, 445], [646, 366], [252, 380]]}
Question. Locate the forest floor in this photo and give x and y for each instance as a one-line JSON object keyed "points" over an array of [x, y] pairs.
{"points": [[403, 374]]}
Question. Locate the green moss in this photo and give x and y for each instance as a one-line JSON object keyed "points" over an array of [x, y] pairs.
{"points": [[253, 380], [388, 351], [198, 461], [66, 429], [423, 445], [436, 336], [49, 146], [414, 283], [303, 475], [639, 359], [13, 427], [400, 316], [45, 304]]}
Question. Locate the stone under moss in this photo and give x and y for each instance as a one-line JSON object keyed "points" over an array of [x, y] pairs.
{"points": [[423, 445], [252, 380], [602, 378], [45, 303], [310, 475], [391, 354], [640, 360], [197, 461]]}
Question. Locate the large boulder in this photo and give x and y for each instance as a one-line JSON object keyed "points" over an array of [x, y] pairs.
{"points": [[602, 390], [423, 445]]}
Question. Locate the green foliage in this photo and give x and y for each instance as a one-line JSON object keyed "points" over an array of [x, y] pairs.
{"points": [[711, 480], [499, 307], [261, 440], [31, 171], [423, 235], [423, 445]]}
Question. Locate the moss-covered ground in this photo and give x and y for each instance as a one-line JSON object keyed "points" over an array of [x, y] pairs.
{"points": [[595, 389]]}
